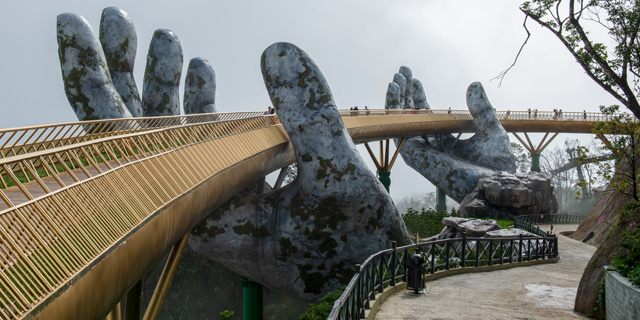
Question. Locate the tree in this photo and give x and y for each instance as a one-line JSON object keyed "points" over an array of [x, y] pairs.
{"points": [[616, 68], [621, 136], [523, 158]]}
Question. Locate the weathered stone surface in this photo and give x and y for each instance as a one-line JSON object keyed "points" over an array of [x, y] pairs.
{"points": [[200, 87], [87, 83], [455, 165], [458, 166], [419, 96], [120, 42], [507, 233], [160, 96], [471, 227], [408, 92], [306, 237], [506, 195]]}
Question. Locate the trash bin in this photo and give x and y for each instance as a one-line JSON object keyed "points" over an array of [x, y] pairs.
{"points": [[415, 270]]}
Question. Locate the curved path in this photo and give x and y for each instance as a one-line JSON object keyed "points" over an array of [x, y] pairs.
{"points": [[545, 291]]}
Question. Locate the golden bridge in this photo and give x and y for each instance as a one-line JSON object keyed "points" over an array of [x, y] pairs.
{"points": [[87, 208]]}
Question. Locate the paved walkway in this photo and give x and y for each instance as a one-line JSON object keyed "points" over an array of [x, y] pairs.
{"points": [[545, 291]]}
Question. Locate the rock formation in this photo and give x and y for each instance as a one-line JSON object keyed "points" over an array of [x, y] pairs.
{"points": [[160, 96], [506, 195], [120, 42], [87, 83], [455, 227], [199, 87], [457, 165], [306, 237]]}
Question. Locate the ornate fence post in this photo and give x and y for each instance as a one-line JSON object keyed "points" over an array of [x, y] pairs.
{"points": [[446, 254], [393, 264], [520, 249], [490, 251], [356, 297], [464, 246]]}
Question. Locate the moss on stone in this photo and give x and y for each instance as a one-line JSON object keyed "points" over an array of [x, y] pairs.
{"points": [[249, 229]]}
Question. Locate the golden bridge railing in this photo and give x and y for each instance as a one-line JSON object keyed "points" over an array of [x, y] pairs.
{"points": [[15, 141], [502, 115], [69, 191], [47, 239]]}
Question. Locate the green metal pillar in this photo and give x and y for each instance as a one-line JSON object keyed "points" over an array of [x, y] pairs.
{"points": [[385, 178], [441, 200], [252, 299], [535, 162]]}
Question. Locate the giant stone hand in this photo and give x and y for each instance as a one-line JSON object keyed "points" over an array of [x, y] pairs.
{"points": [[305, 238], [477, 172], [454, 165], [98, 75]]}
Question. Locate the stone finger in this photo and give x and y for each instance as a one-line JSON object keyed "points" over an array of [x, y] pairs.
{"points": [[160, 95], [200, 87], [119, 42], [87, 83]]}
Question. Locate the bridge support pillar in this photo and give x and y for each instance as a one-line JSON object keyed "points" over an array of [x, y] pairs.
{"points": [[166, 278], [441, 200], [133, 306], [535, 162], [385, 178], [384, 165], [251, 299], [115, 313], [533, 150]]}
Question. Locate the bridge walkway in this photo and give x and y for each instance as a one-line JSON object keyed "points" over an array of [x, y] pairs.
{"points": [[544, 291], [75, 247]]}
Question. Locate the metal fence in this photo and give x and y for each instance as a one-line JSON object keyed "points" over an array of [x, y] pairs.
{"points": [[389, 267], [528, 222]]}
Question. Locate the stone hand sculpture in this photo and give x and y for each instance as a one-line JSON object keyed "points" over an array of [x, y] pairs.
{"points": [[304, 238], [457, 166], [98, 75]]}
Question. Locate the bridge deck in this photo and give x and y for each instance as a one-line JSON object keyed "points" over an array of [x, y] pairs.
{"points": [[74, 242]]}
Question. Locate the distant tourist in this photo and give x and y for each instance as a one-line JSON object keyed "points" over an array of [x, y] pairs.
{"points": [[584, 114], [529, 113], [268, 112], [367, 110], [535, 113], [449, 112], [508, 113]]}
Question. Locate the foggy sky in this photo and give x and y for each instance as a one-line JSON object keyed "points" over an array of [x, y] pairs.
{"points": [[358, 46]]}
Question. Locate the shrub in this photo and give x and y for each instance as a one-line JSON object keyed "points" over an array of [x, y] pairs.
{"points": [[321, 310]]}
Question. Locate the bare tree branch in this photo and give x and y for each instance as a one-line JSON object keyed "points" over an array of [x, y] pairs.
{"points": [[502, 74]]}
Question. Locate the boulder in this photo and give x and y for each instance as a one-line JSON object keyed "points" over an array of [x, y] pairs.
{"points": [[507, 233], [505, 195]]}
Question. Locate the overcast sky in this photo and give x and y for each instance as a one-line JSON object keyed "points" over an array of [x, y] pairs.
{"points": [[358, 45]]}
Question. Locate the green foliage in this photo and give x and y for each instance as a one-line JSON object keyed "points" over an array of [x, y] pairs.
{"points": [[614, 66], [321, 310], [523, 158], [628, 263], [426, 223], [620, 135], [226, 314]]}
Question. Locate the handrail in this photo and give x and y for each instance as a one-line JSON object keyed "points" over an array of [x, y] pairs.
{"points": [[387, 268], [527, 222], [15, 141], [46, 240], [81, 160]]}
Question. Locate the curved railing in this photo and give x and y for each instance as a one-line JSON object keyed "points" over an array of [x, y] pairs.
{"points": [[16, 141], [69, 194], [528, 222], [389, 267]]}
